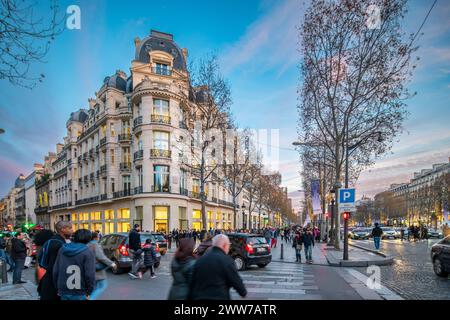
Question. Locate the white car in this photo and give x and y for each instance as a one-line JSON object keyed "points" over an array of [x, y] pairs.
{"points": [[388, 233]]}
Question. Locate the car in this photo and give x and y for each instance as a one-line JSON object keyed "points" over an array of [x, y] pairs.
{"points": [[249, 249], [388, 233], [398, 232], [115, 247], [360, 233], [161, 241], [433, 233], [440, 257]]}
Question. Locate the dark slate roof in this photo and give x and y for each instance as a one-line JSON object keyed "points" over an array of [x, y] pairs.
{"points": [[129, 85], [116, 81], [79, 116], [162, 42]]}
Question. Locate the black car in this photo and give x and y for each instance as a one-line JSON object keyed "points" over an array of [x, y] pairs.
{"points": [[115, 246], [440, 256], [249, 249]]}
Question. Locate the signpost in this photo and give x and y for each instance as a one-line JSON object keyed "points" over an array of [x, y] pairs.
{"points": [[346, 206]]}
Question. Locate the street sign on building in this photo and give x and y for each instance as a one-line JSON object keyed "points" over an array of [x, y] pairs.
{"points": [[347, 200]]}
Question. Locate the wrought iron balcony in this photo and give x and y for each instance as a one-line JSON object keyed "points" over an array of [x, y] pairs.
{"points": [[121, 194], [85, 156], [160, 153], [103, 169], [159, 118], [91, 153], [194, 194], [86, 179], [184, 192], [138, 190], [161, 189], [102, 142], [79, 159], [125, 166], [137, 121], [162, 71], [87, 200], [124, 137], [214, 199], [138, 155], [91, 176], [60, 172], [104, 196]]}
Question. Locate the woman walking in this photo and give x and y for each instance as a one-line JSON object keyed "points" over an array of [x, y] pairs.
{"points": [[182, 267], [297, 245]]}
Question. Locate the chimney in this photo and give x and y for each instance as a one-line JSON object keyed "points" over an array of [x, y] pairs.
{"points": [[137, 42], [59, 147], [121, 74], [185, 54], [91, 103]]}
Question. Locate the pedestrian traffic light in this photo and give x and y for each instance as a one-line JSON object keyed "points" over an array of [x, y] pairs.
{"points": [[346, 215]]}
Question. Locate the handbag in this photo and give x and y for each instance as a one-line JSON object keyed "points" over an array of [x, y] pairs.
{"points": [[298, 247], [27, 261], [40, 272]]}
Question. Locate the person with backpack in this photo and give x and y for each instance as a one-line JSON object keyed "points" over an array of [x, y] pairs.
{"points": [[74, 269], [102, 263], [182, 266], [149, 258], [47, 258], [40, 238]]}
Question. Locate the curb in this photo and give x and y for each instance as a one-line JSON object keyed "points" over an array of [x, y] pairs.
{"points": [[369, 250], [361, 263], [293, 262]]}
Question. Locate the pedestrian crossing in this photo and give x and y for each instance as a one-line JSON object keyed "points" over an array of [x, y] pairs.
{"points": [[278, 280]]}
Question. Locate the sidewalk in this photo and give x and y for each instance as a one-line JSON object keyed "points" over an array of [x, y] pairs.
{"points": [[26, 291]]}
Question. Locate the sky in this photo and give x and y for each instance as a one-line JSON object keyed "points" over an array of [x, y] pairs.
{"points": [[257, 44]]}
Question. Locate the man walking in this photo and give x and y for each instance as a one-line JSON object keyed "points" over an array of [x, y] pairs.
{"points": [[377, 232], [135, 251], [215, 273], [74, 270], [18, 254], [308, 242]]}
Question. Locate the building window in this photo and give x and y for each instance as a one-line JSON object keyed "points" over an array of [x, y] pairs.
{"points": [[140, 176], [162, 68], [109, 214], [126, 184], [74, 217], [126, 155], [126, 127], [112, 185], [123, 227], [161, 215], [161, 140], [196, 186], [112, 131], [183, 185], [103, 130], [161, 107], [196, 214], [140, 144], [161, 179], [183, 218], [112, 155], [96, 215], [124, 214], [109, 227]]}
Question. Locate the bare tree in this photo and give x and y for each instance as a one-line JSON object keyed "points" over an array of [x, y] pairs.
{"points": [[25, 38], [354, 74]]}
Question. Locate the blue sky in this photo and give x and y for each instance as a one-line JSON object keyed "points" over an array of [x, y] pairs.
{"points": [[256, 42]]}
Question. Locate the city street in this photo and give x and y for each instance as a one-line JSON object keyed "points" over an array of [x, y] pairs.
{"points": [[411, 275]]}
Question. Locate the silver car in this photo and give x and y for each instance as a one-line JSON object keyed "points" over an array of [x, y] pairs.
{"points": [[388, 233]]}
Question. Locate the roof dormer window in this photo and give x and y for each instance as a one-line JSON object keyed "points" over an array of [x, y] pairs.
{"points": [[162, 68]]}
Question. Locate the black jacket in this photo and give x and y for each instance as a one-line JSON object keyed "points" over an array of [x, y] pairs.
{"points": [[377, 232], [182, 275], [204, 245], [308, 239], [134, 240], [74, 270], [2, 243], [46, 287], [213, 276], [18, 249], [149, 255]]}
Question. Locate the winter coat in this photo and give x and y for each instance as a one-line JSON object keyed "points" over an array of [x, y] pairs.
{"points": [[298, 239], [101, 258], [2, 243], [308, 239], [46, 287], [182, 276], [203, 247], [213, 276], [18, 249], [149, 255], [134, 240], [74, 270], [377, 232]]}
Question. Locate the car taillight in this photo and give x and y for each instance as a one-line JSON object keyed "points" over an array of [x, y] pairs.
{"points": [[157, 247], [249, 249], [123, 249], [268, 248]]}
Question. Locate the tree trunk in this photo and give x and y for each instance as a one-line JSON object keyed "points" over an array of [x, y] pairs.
{"points": [[337, 220]]}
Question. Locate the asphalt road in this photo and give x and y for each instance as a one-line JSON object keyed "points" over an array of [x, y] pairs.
{"points": [[411, 275]]}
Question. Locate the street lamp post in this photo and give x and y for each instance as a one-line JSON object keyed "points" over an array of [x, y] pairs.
{"points": [[243, 217]]}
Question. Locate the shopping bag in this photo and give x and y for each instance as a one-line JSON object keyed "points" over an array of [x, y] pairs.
{"points": [[27, 261]]}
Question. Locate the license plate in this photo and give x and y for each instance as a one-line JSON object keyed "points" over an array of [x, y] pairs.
{"points": [[260, 250]]}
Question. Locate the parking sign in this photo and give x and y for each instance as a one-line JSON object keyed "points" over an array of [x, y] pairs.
{"points": [[347, 200]]}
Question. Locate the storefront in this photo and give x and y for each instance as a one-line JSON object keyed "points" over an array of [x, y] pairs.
{"points": [[161, 218], [196, 220]]}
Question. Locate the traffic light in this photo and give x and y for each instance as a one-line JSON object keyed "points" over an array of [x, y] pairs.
{"points": [[326, 215], [346, 215]]}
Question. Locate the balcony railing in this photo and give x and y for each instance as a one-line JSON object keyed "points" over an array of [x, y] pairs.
{"points": [[184, 192], [104, 196], [161, 189], [123, 193], [194, 194], [88, 200], [85, 156], [91, 153], [214, 199], [103, 169], [160, 153], [124, 137], [69, 162], [79, 159], [162, 71], [39, 210], [102, 141], [138, 190], [86, 179], [138, 155], [97, 149], [137, 121], [91, 176], [125, 166], [160, 118], [59, 206], [60, 172]]}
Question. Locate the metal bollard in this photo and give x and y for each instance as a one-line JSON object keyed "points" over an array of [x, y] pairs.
{"points": [[3, 273], [281, 257]]}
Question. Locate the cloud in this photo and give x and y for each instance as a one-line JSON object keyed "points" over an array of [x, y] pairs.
{"points": [[270, 41]]}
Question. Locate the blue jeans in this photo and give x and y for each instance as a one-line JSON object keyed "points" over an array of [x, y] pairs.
{"points": [[7, 258], [308, 252], [18, 268], [100, 286], [73, 297], [376, 241]]}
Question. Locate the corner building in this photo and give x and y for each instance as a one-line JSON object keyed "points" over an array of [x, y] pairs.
{"points": [[116, 166]]}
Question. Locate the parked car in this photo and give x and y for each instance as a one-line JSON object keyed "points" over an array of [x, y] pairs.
{"points": [[440, 257], [161, 241], [360, 233], [115, 246], [249, 249], [388, 233], [433, 233]]}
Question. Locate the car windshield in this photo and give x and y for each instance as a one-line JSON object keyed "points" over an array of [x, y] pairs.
{"points": [[387, 229], [256, 240], [159, 237]]}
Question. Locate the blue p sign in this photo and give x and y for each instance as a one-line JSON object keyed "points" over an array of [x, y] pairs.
{"points": [[346, 195]]}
